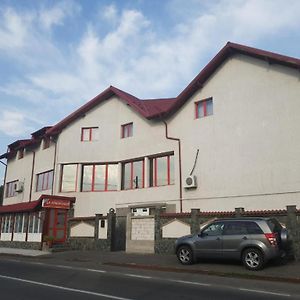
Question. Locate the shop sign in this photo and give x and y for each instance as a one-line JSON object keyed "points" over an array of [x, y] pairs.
{"points": [[56, 203]]}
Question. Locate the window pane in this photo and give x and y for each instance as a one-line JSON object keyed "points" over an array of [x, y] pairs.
{"points": [[209, 107], [99, 184], [127, 176], [162, 171], [95, 134], [36, 223], [50, 180], [69, 178], [87, 178], [172, 173], [39, 182], [127, 130], [200, 108], [138, 174], [112, 180], [85, 134]]}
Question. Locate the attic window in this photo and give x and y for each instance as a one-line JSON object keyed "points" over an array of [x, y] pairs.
{"points": [[21, 153], [46, 142], [204, 108], [89, 134], [127, 130]]}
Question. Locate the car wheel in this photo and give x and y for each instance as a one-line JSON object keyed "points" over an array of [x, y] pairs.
{"points": [[253, 259], [185, 255]]}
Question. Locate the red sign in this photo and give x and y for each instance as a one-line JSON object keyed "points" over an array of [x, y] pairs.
{"points": [[54, 203]]}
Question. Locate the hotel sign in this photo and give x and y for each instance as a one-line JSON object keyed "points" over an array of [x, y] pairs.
{"points": [[56, 203]]}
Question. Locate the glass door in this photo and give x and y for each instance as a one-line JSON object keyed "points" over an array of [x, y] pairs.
{"points": [[57, 224]]}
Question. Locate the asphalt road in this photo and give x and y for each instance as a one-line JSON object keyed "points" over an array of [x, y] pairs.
{"points": [[22, 280]]}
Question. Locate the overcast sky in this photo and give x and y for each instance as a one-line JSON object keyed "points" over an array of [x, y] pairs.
{"points": [[56, 55]]}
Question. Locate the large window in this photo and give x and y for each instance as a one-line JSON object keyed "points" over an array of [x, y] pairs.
{"points": [[69, 178], [7, 224], [35, 224], [204, 108], [102, 177], [44, 181], [20, 225], [127, 130], [11, 189], [133, 175], [162, 170], [89, 134]]}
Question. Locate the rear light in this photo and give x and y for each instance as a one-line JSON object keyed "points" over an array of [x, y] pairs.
{"points": [[272, 238]]}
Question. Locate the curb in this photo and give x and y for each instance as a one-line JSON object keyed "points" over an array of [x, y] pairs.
{"points": [[295, 280]]}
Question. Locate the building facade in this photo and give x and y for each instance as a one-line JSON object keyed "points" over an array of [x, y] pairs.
{"points": [[228, 140]]}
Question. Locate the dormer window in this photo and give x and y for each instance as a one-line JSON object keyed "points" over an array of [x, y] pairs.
{"points": [[127, 130], [204, 108], [89, 134], [46, 142], [21, 153]]}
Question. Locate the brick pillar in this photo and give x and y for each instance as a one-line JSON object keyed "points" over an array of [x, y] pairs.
{"points": [[111, 225], [293, 227], [157, 229], [239, 212], [195, 221], [96, 226]]}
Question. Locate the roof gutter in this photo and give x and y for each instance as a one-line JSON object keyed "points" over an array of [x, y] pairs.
{"points": [[179, 158]]}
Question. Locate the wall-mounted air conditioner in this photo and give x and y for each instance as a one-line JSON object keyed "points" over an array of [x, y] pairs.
{"points": [[191, 182], [19, 187]]}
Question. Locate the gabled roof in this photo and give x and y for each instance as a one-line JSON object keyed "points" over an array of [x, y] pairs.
{"points": [[163, 108]]}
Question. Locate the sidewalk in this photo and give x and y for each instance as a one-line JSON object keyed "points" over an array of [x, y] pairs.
{"points": [[277, 271]]}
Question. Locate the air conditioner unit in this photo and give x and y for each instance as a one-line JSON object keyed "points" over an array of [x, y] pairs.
{"points": [[19, 187], [191, 182]]}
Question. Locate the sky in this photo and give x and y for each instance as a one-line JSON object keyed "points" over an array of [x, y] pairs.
{"points": [[57, 55]]}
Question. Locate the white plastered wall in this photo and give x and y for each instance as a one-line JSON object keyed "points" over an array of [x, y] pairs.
{"points": [[249, 148]]}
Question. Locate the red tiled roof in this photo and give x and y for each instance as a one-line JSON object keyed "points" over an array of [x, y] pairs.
{"points": [[20, 207], [30, 206], [162, 108]]}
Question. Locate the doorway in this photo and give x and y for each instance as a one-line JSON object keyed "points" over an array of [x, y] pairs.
{"points": [[57, 224]]}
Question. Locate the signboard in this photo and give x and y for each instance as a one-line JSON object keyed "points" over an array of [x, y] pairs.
{"points": [[56, 203]]}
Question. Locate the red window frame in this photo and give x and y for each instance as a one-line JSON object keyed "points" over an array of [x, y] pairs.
{"points": [[10, 192], [93, 178], [204, 103], [90, 133], [131, 174], [45, 181], [153, 170], [127, 130]]}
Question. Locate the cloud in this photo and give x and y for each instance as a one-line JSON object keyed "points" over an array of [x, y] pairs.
{"points": [[109, 13], [13, 123]]}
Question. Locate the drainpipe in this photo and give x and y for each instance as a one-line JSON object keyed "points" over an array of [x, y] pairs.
{"points": [[54, 164], [179, 156], [4, 182], [32, 174]]}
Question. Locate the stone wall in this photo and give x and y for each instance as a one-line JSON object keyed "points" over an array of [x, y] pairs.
{"points": [[289, 216], [21, 245]]}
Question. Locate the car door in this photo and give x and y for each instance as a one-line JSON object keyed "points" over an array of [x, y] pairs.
{"points": [[235, 234], [209, 242]]}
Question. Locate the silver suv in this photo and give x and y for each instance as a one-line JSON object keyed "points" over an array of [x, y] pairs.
{"points": [[254, 241]]}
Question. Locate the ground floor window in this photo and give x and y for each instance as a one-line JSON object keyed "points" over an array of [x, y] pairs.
{"points": [[7, 224], [20, 223], [35, 224]]}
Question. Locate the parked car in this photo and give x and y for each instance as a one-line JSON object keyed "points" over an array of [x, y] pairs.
{"points": [[254, 241]]}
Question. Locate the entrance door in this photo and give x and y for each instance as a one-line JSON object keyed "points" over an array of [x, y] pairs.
{"points": [[57, 224]]}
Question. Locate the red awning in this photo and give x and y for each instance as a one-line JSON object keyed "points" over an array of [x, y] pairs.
{"points": [[20, 207]]}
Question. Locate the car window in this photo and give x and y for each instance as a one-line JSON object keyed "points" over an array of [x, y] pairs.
{"points": [[253, 228], [235, 228], [214, 229], [274, 225]]}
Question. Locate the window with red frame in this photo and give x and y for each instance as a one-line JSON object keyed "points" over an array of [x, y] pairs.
{"points": [[11, 189], [89, 134], [204, 108], [69, 178], [127, 130], [44, 181], [96, 178], [133, 175], [162, 170]]}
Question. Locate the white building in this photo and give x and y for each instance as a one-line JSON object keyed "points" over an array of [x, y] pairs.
{"points": [[229, 139]]}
